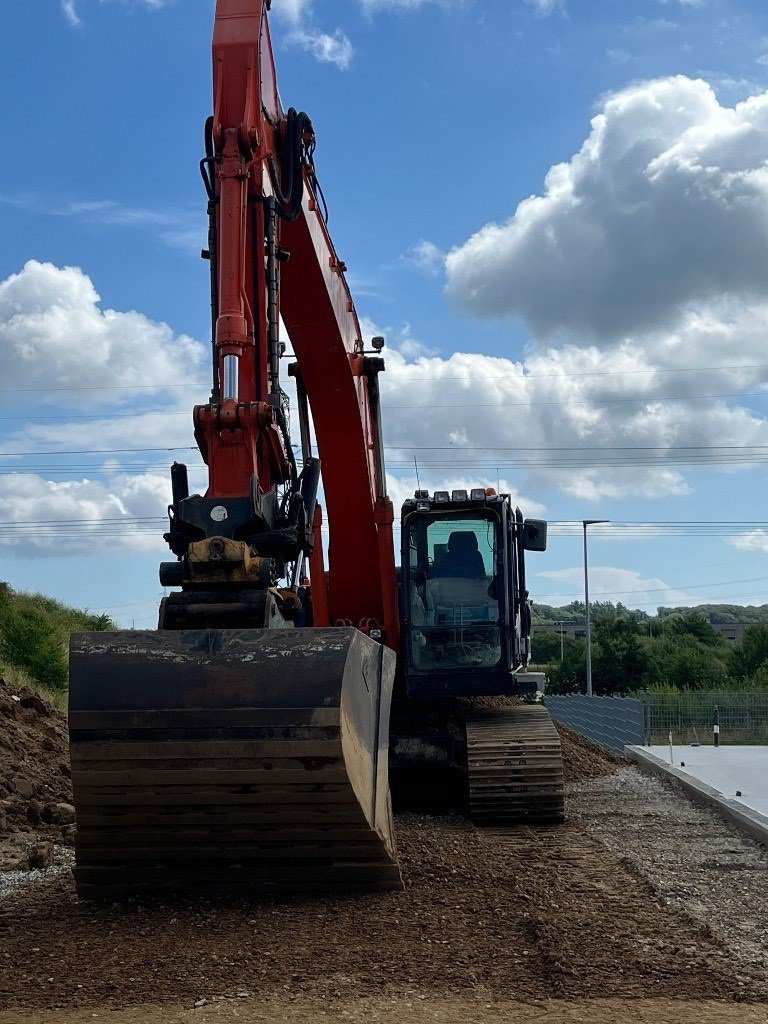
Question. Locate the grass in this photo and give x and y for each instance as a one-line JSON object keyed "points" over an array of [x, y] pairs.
{"points": [[34, 638]]}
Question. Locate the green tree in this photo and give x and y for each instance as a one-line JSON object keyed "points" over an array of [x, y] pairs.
{"points": [[752, 655], [692, 624]]}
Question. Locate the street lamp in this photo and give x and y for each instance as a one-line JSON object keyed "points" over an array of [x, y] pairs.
{"points": [[585, 523]]}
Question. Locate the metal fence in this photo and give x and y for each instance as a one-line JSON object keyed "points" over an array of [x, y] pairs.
{"points": [[611, 721], [689, 716], [649, 718]]}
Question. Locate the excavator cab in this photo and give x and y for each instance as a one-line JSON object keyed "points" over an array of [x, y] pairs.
{"points": [[459, 738], [465, 613]]}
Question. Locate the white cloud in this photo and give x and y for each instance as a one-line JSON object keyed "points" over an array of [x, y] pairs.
{"points": [[613, 584], [370, 6], [45, 517], [329, 48], [546, 6], [598, 423], [751, 540], [294, 11], [53, 333], [70, 13], [427, 256], [664, 207]]}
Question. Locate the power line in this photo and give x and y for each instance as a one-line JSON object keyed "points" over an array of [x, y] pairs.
{"points": [[560, 403], [504, 404], [411, 448], [437, 376]]}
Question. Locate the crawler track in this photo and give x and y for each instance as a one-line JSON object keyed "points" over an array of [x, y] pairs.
{"points": [[515, 767]]}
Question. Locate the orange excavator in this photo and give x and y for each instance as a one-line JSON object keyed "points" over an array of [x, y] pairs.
{"points": [[248, 743]]}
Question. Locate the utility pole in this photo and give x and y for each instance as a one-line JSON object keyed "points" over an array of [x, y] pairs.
{"points": [[585, 523]]}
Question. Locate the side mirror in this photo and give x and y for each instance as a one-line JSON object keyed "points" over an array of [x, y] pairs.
{"points": [[535, 535]]}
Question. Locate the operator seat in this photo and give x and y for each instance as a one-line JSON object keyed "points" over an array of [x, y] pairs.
{"points": [[462, 559]]}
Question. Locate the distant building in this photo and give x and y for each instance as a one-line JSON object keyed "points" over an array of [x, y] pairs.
{"points": [[733, 631]]}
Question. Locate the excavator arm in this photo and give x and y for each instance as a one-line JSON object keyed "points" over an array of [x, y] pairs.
{"points": [[271, 258]]}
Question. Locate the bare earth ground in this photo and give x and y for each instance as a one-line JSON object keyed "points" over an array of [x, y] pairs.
{"points": [[642, 908]]}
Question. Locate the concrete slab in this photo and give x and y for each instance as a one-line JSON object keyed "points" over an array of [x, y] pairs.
{"points": [[712, 775], [726, 769]]}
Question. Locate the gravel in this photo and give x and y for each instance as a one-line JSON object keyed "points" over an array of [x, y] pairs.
{"points": [[698, 864]]}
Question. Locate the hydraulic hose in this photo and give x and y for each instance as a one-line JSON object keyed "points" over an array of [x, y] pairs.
{"points": [[289, 189]]}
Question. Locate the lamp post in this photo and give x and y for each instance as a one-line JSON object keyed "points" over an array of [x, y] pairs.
{"points": [[585, 523]]}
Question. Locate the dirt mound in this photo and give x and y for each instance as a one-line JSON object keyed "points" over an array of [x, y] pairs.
{"points": [[35, 789], [583, 759]]}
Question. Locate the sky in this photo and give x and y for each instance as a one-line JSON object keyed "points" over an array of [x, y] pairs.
{"points": [[556, 211]]}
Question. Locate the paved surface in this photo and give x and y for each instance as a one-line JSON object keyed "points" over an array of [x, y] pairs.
{"points": [[726, 769]]}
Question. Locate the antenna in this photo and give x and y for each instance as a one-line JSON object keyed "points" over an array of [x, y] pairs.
{"points": [[416, 467]]}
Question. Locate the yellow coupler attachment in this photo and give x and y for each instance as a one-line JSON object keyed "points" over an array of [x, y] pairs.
{"points": [[231, 761]]}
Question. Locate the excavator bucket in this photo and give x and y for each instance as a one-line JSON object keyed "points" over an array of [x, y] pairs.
{"points": [[231, 761]]}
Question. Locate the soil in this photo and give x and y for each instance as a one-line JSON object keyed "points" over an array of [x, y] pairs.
{"points": [[608, 918], [35, 791], [583, 759], [248, 1010]]}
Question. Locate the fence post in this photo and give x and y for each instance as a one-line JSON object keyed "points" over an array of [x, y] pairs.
{"points": [[716, 726]]}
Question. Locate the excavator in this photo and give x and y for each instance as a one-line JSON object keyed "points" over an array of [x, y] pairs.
{"points": [[247, 745]]}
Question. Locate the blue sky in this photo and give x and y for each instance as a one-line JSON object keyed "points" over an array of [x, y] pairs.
{"points": [[625, 306]]}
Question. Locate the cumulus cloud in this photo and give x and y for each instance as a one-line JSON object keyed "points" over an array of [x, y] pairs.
{"points": [[82, 361], [593, 423], [54, 333], [42, 517], [663, 209]]}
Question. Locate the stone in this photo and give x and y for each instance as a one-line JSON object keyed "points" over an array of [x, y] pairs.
{"points": [[24, 787], [31, 700], [41, 856], [66, 814], [35, 813]]}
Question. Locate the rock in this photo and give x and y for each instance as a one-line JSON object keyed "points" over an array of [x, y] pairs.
{"points": [[31, 700], [41, 856], [24, 787], [68, 834], [50, 814], [66, 814], [22, 864], [35, 813]]}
